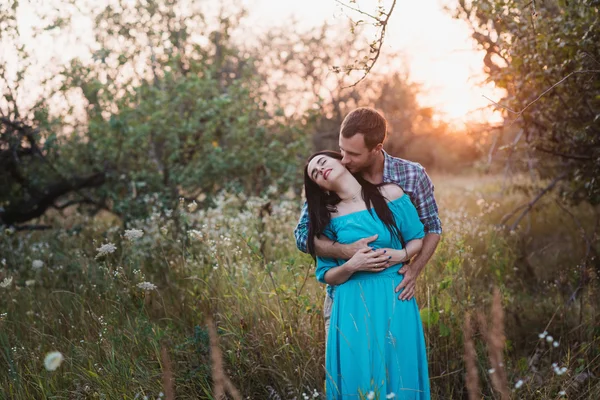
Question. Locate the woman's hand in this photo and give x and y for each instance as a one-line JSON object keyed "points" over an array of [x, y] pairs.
{"points": [[404, 255], [397, 256], [367, 259]]}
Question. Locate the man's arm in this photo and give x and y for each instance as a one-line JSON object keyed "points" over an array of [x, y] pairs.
{"points": [[325, 247], [428, 214], [363, 260], [426, 205], [411, 271], [301, 230]]}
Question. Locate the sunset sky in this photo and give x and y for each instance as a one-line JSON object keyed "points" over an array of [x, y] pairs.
{"points": [[438, 49]]}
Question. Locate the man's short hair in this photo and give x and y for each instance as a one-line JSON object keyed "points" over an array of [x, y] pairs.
{"points": [[368, 122]]}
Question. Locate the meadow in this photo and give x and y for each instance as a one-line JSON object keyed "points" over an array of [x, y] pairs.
{"points": [[127, 307]]}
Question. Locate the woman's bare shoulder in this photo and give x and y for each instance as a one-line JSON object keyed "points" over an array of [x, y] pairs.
{"points": [[391, 191]]}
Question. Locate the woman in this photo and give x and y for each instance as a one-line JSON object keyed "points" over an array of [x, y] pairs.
{"points": [[375, 341]]}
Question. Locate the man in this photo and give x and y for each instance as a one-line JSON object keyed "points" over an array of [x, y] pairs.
{"points": [[362, 135]]}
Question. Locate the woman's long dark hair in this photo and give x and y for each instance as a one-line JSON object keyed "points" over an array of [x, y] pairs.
{"points": [[321, 204]]}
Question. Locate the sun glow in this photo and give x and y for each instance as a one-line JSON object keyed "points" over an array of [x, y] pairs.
{"points": [[439, 51]]}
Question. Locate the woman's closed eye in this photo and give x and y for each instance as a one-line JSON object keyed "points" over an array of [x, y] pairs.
{"points": [[321, 161]]}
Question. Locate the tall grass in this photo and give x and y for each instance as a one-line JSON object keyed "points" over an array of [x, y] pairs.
{"points": [[237, 264]]}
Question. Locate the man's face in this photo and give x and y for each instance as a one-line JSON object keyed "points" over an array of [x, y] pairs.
{"points": [[356, 156]]}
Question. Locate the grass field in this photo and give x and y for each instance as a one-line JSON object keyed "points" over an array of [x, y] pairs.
{"points": [[126, 321]]}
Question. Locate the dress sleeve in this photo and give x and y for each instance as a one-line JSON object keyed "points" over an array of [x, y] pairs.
{"points": [[324, 264], [407, 219]]}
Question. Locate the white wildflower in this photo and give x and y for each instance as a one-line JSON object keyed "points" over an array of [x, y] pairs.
{"points": [[6, 282], [391, 396], [37, 264], [315, 394], [30, 282], [196, 234], [543, 335], [192, 206], [491, 370], [371, 395], [555, 344], [132, 234], [549, 339], [4, 261], [558, 371], [53, 360], [146, 286], [519, 384], [161, 394], [562, 393], [105, 249]]}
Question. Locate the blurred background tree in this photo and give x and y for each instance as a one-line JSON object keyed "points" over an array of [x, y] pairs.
{"points": [[171, 108], [546, 55]]}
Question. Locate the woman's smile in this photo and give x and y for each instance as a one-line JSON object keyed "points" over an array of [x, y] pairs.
{"points": [[326, 173]]}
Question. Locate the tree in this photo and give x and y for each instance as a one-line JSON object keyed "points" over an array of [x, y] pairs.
{"points": [[172, 109], [546, 55]]}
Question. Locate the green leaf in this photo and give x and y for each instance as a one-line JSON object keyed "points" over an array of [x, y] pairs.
{"points": [[429, 317], [444, 330]]}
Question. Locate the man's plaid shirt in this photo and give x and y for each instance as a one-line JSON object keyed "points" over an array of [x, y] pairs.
{"points": [[415, 182]]}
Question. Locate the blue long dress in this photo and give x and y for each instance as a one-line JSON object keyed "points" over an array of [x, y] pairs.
{"points": [[375, 341]]}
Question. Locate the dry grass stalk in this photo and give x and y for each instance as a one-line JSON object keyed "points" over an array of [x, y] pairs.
{"points": [[495, 340], [221, 383], [167, 375], [472, 377]]}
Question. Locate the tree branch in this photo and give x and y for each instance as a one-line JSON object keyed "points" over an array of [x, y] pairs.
{"points": [[529, 206], [519, 113], [358, 10], [36, 206], [374, 48], [564, 155]]}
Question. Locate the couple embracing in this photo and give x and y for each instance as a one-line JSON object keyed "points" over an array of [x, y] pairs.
{"points": [[367, 214]]}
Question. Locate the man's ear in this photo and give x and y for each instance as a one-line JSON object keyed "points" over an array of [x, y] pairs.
{"points": [[378, 148]]}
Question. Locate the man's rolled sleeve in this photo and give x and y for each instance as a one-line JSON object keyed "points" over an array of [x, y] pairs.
{"points": [[301, 231], [426, 205]]}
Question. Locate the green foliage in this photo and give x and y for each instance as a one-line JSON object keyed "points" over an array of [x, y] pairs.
{"points": [[546, 55], [164, 117]]}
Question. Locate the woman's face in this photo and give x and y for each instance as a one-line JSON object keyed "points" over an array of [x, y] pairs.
{"points": [[324, 171]]}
